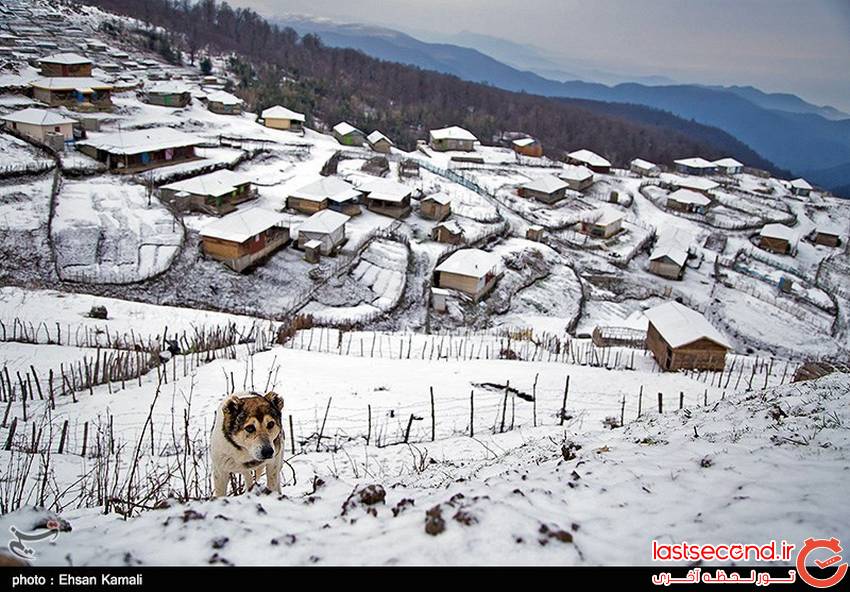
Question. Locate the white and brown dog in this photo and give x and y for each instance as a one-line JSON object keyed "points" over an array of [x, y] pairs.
{"points": [[247, 439]]}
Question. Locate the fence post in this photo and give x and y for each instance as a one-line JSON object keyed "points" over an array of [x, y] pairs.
{"points": [[471, 413], [660, 403], [564, 403], [640, 400], [433, 419], [681, 400]]}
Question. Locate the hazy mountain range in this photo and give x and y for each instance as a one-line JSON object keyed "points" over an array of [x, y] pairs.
{"points": [[809, 140]]}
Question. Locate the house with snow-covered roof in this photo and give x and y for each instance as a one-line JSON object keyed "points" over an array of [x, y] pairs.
{"points": [[224, 103], [327, 192], [138, 150], [449, 232], [527, 147], [279, 117], [471, 271], [217, 193], [547, 189], [800, 187], [644, 168], [778, 238], [77, 92], [577, 177], [437, 206], [729, 166], [604, 224], [244, 238], [39, 124], [695, 166], [379, 142], [590, 159], [65, 65], [169, 94], [681, 338], [348, 135], [827, 234], [326, 227], [452, 138], [670, 254], [387, 197]]}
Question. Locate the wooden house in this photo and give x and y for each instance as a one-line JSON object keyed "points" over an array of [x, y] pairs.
{"points": [[682, 339], [527, 147], [327, 227], [65, 65], [39, 124], [138, 150], [82, 94], [685, 200], [448, 232], [326, 193], [778, 238], [217, 193], [452, 138], [729, 166], [348, 135], [605, 224], [534, 233], [695, 166], [827, 235], [169, 94], [471, 271], [387, 197], [437, 206], [547, 189], [244, 238], [279, 117], [224, 103], [644, 168], [589, 159], [379, 142], [668, 258], [577, 177], [800, 187]]}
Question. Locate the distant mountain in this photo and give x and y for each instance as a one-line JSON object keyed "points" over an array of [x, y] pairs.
{"points": [[783, 128]]}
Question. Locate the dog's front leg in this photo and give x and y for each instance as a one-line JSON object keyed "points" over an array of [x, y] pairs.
{"points": [[220, 479], [273, 474], [248, 479]]}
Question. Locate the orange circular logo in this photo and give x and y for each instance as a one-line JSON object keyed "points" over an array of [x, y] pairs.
{"points": [[803, 570]]}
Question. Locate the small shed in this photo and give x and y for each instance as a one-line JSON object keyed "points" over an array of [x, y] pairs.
{"points": [[439, 299], [348, 135], [729, 166], [778, 238], [528, 147], [65, 65], [38, 123], [313, 251], [448, 232], [471, 271], [169, 94], [534, 233], [605, 224], [224, 103], [244, 238], [379, 142], [437, 206], [452, 138], [140, 150], [695, 166], [547, 189], [279, 117], [577, 177], [387, 197], [591, 160], [217, 193], [681, 338], [685, 200], [327, 227], [644, 168], [801, 187]]}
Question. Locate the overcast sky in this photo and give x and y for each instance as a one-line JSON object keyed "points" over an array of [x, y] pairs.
{"points": [[799, 46]]}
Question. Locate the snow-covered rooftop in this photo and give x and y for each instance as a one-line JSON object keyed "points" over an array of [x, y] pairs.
{"points": [[33, 116], [470, 262], [377, 136], [386, 190], [697, 162], [326, 188], [779, 231], [589, 157], [242, 225], [728, 163], [608, 216], [214, 184], [70, 83], [440, 198], [138, 141], [545, 184], [801, 184], [324, 221], [280, 112], [453, 132], [575, 173], [169, 88], [680, 325], [687, 182], [343, 128], [67, 59], [224, 97], [674, 244], [689, 197], [524, 142], [643, 164]]}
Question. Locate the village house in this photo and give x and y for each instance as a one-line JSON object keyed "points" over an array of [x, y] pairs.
{"points": [[729, 166], [244, 238], [39, 124], [695, 166], [139, 150], [778, 238], [644, 168], [682, 339], [577, 177], [348, 135], [547, 189], [326, 193], [448, 232], [800, 187], [379, 142], [605, 224], [82, 94], [217, 193], [670, 254], [471, 271], [700, 184], [169, 94], [386, 197], [534, 233], [279, 117], [685, 200], [591, 160], [65, 65], [437, 206], [327, 227], [527, 147], [224, 103], [827, 235], [452, 138]]}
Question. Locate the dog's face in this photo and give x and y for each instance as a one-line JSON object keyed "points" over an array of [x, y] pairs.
{"points": [[253, 424]]}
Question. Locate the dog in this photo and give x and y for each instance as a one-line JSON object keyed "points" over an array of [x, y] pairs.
{"points": [[247, 439]]}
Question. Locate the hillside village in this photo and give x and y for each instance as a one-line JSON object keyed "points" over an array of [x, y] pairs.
{"points": [[146, 207]]}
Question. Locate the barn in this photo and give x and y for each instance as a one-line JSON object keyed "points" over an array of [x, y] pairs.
{"points": [[327, 227], [778, 238], [471, 271], [217, 193], [452, 138], [244, 238], [590, 159], [827, 235], [682, 339], [39, 124], [279, 117], [140, 150]]}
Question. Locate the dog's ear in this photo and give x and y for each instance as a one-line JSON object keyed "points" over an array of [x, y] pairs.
{"points": [[275, 399], [232, 405]]}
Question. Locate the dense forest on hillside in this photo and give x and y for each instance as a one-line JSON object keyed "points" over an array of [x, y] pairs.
{"points": [[274, 65]]}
